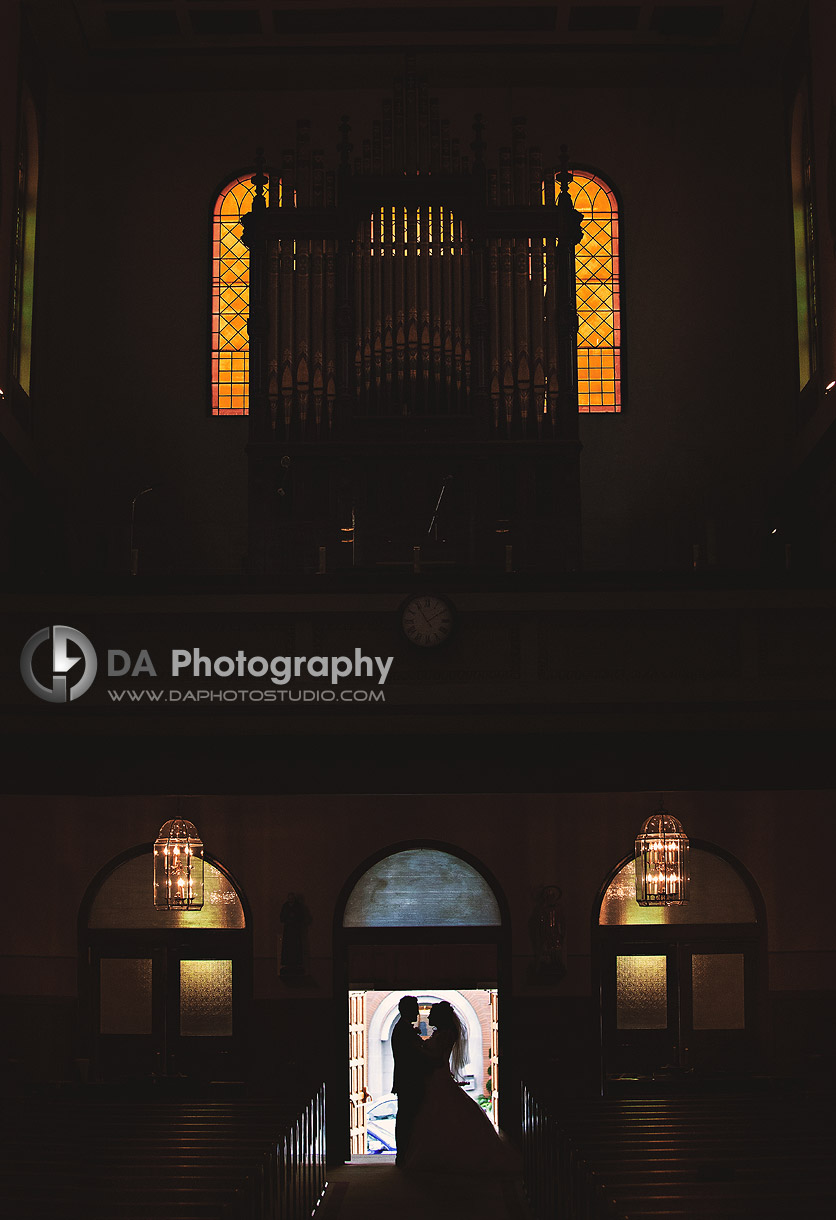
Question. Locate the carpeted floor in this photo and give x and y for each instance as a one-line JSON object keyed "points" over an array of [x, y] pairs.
{"points": [[372, 1188]]}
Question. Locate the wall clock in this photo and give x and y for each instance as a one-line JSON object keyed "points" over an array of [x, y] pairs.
{"points": [[428, 620]]}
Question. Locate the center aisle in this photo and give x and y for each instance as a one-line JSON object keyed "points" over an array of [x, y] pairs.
{"points": [[371, 1187]]}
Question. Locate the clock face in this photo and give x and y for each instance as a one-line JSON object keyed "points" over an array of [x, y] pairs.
{"points": [[427, 620]]}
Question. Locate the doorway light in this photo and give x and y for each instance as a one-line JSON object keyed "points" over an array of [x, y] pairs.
{"points": [[662, 871], [178, 867]]}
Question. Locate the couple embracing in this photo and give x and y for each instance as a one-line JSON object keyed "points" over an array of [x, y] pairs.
{"points": [[439, 1128]]}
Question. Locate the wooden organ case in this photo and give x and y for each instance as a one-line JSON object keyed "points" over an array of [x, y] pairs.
{"points": [[413, 367]]}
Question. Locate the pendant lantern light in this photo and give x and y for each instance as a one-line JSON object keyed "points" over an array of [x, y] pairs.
{"points": [[662, 870], [178, 867]]}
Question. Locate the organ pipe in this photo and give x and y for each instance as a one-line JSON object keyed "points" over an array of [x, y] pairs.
{"points": [[381, 313]]}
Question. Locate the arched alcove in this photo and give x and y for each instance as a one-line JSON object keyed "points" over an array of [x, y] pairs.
{"points": [[682, 988], [419, 915], [163, 992]]}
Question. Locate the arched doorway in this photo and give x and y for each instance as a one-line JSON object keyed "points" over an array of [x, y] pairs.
{"points": [[163, 993], [417, 916], [682, 988]]}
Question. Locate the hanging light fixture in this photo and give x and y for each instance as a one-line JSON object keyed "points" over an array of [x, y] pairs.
{"points": [[178, 867], [662, 874]]}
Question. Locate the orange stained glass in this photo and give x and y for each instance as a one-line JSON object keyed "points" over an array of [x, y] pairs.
{"points": [[598, 294], [230, 300], [597, 279]]}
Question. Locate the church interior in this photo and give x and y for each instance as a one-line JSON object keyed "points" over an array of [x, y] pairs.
{"points": [[417, 453]]}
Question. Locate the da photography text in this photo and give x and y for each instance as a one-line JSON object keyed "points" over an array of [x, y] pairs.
{"points": [[59, 664], [193, 663]]}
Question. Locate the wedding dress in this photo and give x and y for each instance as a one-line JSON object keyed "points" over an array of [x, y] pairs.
{"points": [[452, 1133]]}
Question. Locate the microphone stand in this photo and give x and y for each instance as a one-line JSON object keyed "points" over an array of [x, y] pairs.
{"points": [[434, 522], [134, 550]]}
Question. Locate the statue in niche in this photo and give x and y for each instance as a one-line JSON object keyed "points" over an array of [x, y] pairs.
{"points": [[547, 926], [295, 918]]}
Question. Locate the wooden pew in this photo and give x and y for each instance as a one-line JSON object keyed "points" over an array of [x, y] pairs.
{"points": [[169, 1160], [688, 1157]]}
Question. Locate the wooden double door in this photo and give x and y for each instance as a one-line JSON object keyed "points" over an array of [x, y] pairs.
{"points": [[167, 1004], [680, 1002]]}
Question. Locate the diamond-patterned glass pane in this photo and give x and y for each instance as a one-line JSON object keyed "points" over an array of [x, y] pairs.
{"points": [[597, 274], [230, 299]]}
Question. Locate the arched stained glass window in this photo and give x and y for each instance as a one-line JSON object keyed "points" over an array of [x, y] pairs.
{"points": [[597, 274], [803, 237], [598, 291], [421, 887], [23, 267], [230, 299]]}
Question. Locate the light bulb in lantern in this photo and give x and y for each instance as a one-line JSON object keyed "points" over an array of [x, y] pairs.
{"points": [[178, 867], [661, 857]]}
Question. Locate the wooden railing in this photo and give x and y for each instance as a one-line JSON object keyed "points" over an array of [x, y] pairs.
{"points": [[693, 1158], [168, 1160]]}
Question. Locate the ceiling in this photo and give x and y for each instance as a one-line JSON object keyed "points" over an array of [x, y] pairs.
{"points": [[128, 26], [288, 44]]}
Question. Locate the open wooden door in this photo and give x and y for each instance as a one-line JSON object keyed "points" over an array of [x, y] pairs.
{"points": [[494, 1057], [357, 1059]]}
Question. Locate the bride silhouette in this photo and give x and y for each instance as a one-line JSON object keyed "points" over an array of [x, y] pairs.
{"points": [[452, 1133]]}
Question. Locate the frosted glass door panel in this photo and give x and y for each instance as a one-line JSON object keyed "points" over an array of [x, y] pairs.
{"points": [[642, 992], [125, 995], [206, 999], [717, 984]]}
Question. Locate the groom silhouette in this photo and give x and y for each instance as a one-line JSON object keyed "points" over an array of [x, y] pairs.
{"points": [[411, 1071]]}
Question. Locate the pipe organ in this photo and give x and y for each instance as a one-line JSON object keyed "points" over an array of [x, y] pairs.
{"points": [[413, 334]]}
